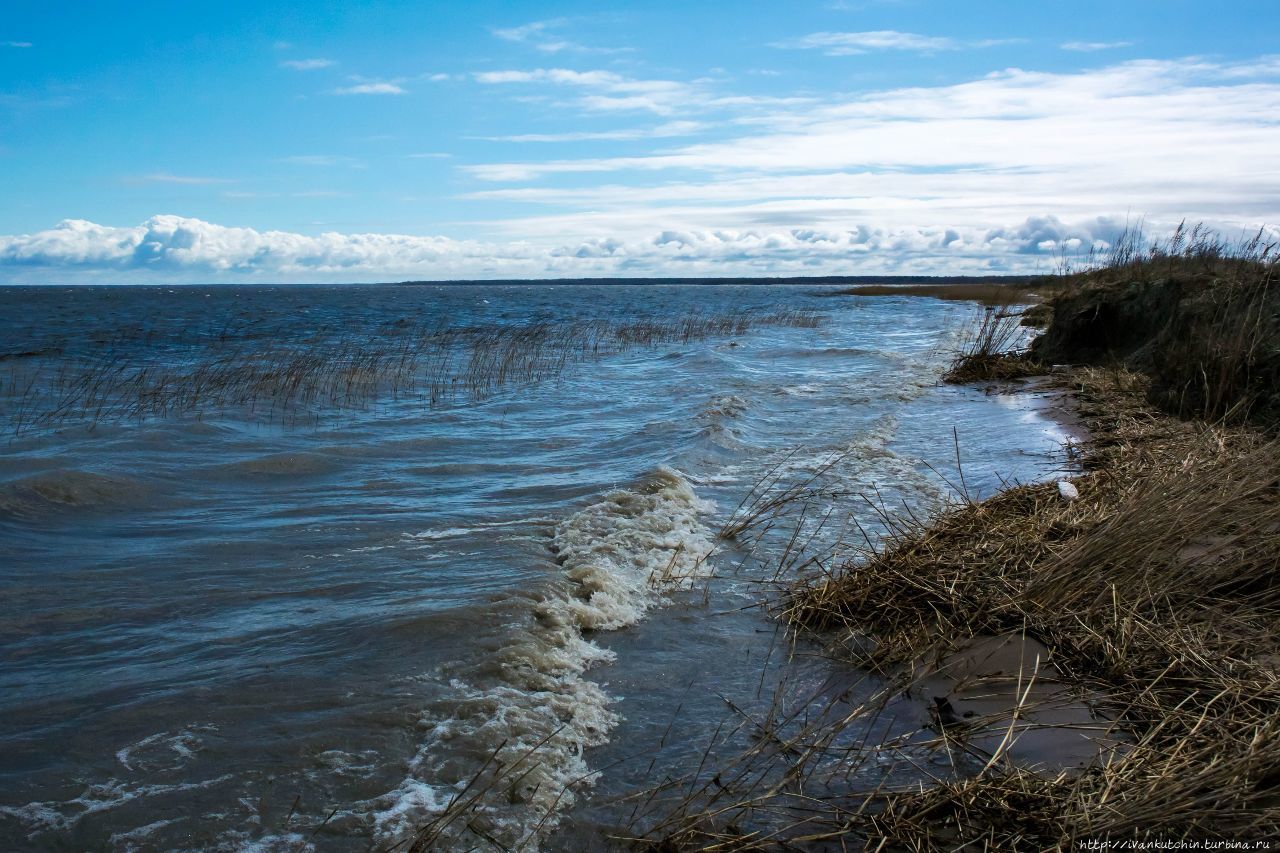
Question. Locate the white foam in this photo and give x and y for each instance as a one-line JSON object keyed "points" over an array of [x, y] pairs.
{"points": [[133, 839], [533, 710], [621, 554], [163, 750], [451, 532], [99, 797]]}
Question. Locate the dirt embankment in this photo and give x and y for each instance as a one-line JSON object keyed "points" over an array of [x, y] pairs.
{"points": [[1206, 333]]}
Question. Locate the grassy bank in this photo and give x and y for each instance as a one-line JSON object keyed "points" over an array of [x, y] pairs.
{"points": [[1096, 659]]}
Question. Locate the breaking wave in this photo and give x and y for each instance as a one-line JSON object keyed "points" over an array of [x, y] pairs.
{"points": [[505, 748]]}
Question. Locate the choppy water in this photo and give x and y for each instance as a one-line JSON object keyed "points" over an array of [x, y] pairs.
{"points": [[250, 625]]}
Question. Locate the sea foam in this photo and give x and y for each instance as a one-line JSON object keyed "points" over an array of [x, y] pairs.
{"points": [[519, 725]]}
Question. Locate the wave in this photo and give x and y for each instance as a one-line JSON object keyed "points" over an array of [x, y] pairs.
{"points": [[454, 532], [68, 489], [518, 724], [282, 465]]}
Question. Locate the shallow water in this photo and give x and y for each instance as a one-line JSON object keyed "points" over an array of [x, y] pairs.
{"points": [[269, 628]]}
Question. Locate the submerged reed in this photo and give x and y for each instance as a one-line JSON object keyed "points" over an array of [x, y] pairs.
{"points": [[266, 378]]}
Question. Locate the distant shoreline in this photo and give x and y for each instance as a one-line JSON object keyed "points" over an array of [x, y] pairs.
{"points": [[765, 280]]}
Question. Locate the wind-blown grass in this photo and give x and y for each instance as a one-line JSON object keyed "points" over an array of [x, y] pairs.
{"points": [[1198, 313], [992, 346]]}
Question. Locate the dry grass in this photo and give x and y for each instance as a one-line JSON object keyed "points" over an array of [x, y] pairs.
{"points": [[1200, 314], [995, 294], [992, 346], [1156, 589]]}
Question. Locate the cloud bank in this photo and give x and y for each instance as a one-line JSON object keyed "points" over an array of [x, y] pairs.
{"points": [[177, 249]]}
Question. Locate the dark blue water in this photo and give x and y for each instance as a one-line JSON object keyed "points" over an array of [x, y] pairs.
{"points": [[285, 566]]}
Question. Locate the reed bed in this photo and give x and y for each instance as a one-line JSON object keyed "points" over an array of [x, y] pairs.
{"points": [[250, 372]]}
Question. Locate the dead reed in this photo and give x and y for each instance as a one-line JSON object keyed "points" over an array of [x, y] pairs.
{"points": [[992, 346]]}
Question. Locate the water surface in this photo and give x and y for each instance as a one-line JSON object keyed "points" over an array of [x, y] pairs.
{"points": [[302, 620]]}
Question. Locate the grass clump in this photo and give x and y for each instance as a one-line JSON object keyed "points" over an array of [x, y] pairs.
{"points": [[992, 347]]}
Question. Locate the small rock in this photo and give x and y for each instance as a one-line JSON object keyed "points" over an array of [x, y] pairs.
{"points": [[1068, 490]]}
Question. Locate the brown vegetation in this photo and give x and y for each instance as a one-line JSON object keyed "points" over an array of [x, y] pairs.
{"points": [[996, 294], [1199, 314], [992, 347]]}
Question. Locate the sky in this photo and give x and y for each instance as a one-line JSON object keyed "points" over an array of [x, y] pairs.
{"points": [[326, 141]]}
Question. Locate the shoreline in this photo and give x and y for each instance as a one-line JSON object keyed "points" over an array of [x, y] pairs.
{"points": [[1094, 658]]}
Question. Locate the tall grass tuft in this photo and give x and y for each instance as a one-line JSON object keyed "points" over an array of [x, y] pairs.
{"points": [[992, 346]]}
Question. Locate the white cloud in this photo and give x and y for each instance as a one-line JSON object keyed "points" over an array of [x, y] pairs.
{"points": [[167, 178], [608, 91], [850, 44], [540, 36], [535, 32], [1091, 46], [174, 248], [1144, 124], [306, 64], [662, 131], [995, 173], [378, 88], [15, 44]]}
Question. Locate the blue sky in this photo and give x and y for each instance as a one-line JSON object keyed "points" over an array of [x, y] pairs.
{"points": [[327, 141]]}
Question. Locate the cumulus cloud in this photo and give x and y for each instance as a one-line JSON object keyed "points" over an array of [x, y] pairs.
{"points": [[306, 64], [175, 248], [851, 44]]}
